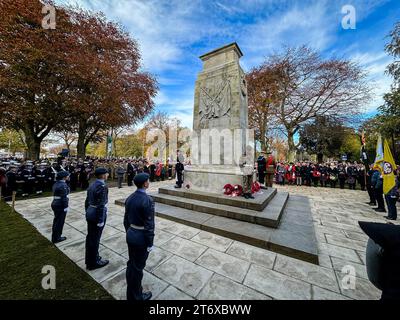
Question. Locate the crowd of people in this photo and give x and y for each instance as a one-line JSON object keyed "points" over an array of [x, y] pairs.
{"points": [[35, 177], [328, 174]]}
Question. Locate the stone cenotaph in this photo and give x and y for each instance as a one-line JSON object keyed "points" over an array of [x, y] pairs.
{"points": [[221, 138]]}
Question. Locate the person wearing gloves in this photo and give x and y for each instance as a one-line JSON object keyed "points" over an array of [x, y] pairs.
{"points": [[96, 216], [139, 226], [59, 205], [383, 258]]}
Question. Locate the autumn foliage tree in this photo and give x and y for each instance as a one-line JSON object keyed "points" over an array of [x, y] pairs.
{"points": [[309, 86], [83, 76], [34, 71], [263, 95], [111, 91]]}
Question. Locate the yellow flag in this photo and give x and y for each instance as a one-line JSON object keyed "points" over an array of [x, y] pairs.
{"points": [[389, 179]]}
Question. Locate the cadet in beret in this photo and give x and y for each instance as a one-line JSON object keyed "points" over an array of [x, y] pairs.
{"points": [[96, 216], [139, 226], [60, 205]]}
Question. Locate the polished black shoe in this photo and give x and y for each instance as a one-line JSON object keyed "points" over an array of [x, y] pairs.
{"points": [[61, 239], [177, 187], [371, 203], [147, 295], [250, 196], [98, 265], [379, 210], [389, 218]]}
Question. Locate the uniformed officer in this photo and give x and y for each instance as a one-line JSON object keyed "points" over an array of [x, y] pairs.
{"points": [[60, 205], [96, 216], [120, 171], [130, 170], [139, 226], [179, 167]]}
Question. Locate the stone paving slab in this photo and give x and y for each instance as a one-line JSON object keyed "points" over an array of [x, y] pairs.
{"points": [[172, 293], [184, 248], [224, 264], [222, 288], [184, 275], [277, 285]]}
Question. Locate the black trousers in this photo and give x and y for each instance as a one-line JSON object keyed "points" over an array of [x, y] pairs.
{"points": [[130, 179], [391, 204], [261, 177], [92, 243], [134, 272], [179, 175], [379, 197], [58, 222], [341, 183], [120, 180], [371, 194]]}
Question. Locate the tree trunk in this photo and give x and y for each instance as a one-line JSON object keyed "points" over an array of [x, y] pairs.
{"points": [[80, 146], [33, 145], [291, 145]]}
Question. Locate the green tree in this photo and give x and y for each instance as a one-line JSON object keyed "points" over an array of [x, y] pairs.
{"points": [[324, 136], [12, 141]]}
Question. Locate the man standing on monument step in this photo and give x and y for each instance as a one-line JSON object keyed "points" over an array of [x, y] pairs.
{"points": [[179, 167]]}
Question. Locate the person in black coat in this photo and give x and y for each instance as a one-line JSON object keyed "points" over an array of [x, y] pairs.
{"points": [[383, 258], [130, 172], [261, 168], [96, 216], [370, 188], [60, 206], [139, 225]]}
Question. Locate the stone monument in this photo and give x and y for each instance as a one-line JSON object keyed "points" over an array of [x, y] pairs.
{"points": [[220, 123]]}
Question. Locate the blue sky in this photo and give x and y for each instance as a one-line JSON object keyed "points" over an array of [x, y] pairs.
{"points": [[173, 33]]}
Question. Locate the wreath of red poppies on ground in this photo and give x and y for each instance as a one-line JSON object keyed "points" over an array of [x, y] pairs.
{"points": [[233, 190]]}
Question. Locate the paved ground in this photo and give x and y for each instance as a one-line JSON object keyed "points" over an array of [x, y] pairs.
{"points": [[188, 263]]}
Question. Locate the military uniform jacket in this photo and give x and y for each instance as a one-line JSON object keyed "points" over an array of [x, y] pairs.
{"points": [[60, 194], [96, 202], [261, 164], [139, 211]]}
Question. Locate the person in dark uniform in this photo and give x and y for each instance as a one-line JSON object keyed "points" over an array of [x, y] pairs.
{"points": [[361, 176], [152, 169], [130, 171], [341, 175], [11, 182], [40, 173], [84, 176], [261, 168], [377, 184], [96, 216], [139, 225], [179, 167], [73, 179], [60, 206]]}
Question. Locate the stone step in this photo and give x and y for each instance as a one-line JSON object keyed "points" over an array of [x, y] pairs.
{"points": [[299, 244], [269, 217], [257, 204]]}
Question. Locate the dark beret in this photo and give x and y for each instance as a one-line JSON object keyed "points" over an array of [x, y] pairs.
{"points": [[62, 174], [386, 235], [100, 171], [141, 178]]}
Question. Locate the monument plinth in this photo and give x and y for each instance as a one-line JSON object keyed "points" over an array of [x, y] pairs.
{"points": [[220, 122]]}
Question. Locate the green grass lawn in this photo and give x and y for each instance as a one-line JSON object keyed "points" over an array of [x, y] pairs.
{"points": [[24, 252]]}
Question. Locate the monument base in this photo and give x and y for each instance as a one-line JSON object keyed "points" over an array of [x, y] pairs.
{"points": [[211, 178]]}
